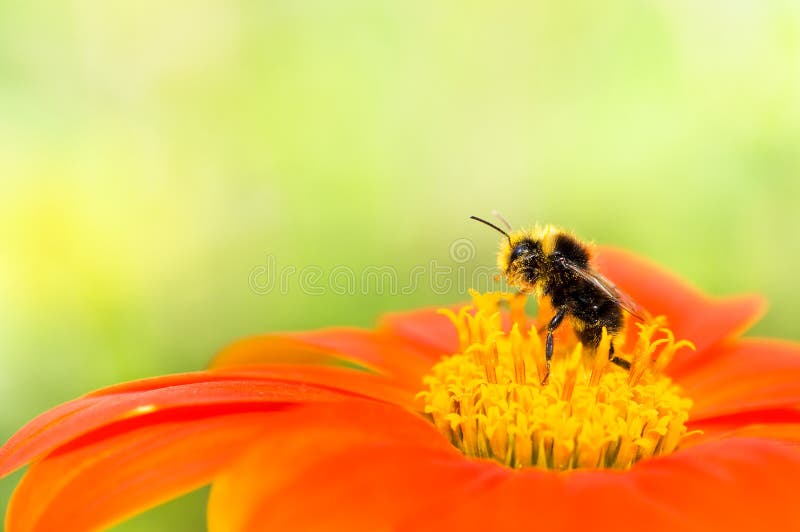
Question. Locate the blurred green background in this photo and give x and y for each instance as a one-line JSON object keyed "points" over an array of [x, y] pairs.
{"points": [[153, 154]]}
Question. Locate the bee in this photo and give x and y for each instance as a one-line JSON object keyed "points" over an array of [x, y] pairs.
{"points": [[553, 263]]}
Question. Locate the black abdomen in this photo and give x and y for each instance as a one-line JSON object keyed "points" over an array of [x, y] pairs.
{"points": [[588, 305], [605, 313], [590, 308]]}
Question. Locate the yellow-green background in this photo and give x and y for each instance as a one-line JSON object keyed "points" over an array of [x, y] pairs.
{"points": [[153, 153]]}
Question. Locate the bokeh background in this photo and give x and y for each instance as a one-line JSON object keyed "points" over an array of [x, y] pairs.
{"points": [[153, 155]]}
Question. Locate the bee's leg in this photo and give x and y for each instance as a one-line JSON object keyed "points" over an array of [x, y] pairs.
{"points": [[621, 362], [548, 350]]}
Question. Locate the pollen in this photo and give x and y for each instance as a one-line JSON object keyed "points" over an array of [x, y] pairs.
{"points": [[493, 398]]}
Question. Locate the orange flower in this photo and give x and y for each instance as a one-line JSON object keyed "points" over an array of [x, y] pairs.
{"points": [[335, 429]]}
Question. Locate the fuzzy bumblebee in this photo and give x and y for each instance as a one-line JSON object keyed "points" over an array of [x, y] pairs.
{"points": [[553, 263]]}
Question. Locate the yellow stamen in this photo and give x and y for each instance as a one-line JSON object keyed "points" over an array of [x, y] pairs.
{"points": [[489, 401]]}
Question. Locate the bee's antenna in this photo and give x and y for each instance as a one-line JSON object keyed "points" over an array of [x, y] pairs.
{"points": [[490, 224], [502, 219]]}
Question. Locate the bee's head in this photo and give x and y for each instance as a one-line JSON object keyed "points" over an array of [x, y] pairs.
{"points": [[521, 250], [520, 255], [520, 258]]}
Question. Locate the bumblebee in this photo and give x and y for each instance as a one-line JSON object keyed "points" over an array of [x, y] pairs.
{"points": [[553, 263]]}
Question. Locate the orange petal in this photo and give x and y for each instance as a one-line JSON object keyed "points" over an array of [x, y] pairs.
{"points": [[691, 314], [782, 425], [283, 349], [361, 349], [390, 354], [342, 380], [333, 467], [425, 329], [72, 419], [507, 500], [382, 485], [96, 482], [743, 376], [320, 379], [737, 484]]}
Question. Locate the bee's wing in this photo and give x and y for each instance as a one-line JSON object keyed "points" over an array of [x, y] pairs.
{"points": [[610, 289]]}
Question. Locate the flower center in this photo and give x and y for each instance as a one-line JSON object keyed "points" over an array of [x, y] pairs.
{"points": [[489, 400]]}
